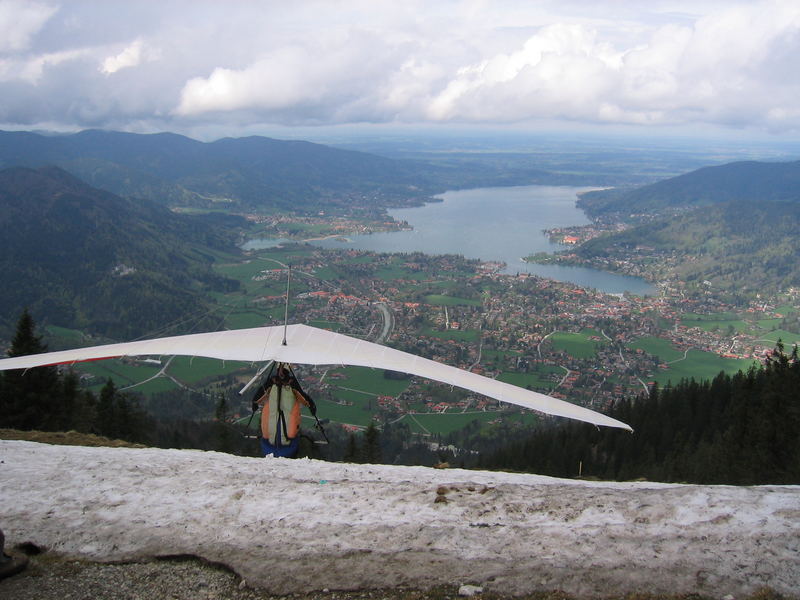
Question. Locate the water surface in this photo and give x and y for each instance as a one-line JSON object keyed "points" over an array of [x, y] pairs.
{"points": [[497, 224]]}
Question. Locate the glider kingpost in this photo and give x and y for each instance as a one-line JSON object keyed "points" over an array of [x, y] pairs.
{"points": [[302, 344]]}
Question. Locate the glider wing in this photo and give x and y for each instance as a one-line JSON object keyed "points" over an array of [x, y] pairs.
{"points": [[310, 345]]}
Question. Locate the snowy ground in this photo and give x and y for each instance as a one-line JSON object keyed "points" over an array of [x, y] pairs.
{"points": [[304, 525]]}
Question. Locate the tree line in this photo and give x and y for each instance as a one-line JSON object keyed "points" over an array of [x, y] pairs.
{"points": [[736, 429], [47, 399]]}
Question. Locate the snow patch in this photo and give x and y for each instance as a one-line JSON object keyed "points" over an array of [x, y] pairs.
{"points": [[302, 525]]}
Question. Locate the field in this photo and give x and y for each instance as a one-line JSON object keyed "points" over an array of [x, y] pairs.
{"points": [[354, 391], [367, 380], [659, 347], [393, 272], [765, 329], [442, 300], [786, 309], [701, 365], [736, 325], [577, 345], [462, 335], [246, 318], [539, 379], [193, 371], [70, 338], [787, 337], [125, 375]]}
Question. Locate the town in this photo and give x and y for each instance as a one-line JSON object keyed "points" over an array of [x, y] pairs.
{"points": [[577, 344]]}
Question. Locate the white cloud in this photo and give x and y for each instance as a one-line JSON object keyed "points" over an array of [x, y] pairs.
{"points": [[715, 71], [562, 66], [129, 57], [315, 78], [730, 63], [20, 20]]}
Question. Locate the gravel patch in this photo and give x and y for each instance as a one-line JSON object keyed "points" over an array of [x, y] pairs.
{"points": [[50, 577], [57, 578]]}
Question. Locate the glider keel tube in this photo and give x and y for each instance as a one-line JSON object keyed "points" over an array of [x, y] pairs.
{"points": [[310, 345]]}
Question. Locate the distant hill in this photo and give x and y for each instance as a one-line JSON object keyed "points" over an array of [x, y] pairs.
{"points": [[82, 257], [738, 246], [252, 171], [752, 182], [267, 174]]}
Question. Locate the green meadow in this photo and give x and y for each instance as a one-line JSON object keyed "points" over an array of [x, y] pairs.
{"points": [[70, 338], [246, 319], [125, 375], [393, 272], [541, 378], [786, 337], [577, 345], [462, 335], [367, 380], [659, 347], [356, 414], [442, 300], [701, 365]]}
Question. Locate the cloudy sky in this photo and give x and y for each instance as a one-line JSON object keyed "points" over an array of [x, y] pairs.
{"points": [[242, 66]]}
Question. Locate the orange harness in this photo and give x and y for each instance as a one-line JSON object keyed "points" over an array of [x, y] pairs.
{"points": [[280, 414]]}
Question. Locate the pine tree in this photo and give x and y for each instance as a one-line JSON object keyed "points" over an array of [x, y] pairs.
{"points": [[28, 397], [224, 438], [351, 453], [105, 422], [372, 446]]}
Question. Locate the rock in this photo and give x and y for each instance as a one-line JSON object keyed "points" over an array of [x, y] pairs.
{"points": [[469, 590]]}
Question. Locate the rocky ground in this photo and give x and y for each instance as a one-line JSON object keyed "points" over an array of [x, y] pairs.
{"points": [[50, 577]]}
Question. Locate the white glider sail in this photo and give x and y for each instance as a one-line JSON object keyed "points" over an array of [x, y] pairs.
{"points": [[310, 345]]}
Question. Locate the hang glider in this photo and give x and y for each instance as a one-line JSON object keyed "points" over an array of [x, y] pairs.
{"points": [[302, 344]]}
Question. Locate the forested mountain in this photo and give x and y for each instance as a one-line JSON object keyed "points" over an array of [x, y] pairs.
{"points": [[751, 182], [735, 246], [251, 172], [263, 173], [81, 257], [739, 429]]}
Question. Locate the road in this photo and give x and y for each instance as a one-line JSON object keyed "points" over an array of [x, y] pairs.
{"points": [[388, 322]]}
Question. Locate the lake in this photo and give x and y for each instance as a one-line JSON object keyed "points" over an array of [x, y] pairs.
{"points": [[496, 224]]}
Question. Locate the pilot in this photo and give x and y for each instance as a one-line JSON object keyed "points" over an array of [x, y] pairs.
{"points": [[280, 406]]}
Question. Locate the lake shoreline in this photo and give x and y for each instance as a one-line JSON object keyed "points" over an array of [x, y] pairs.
{"points": [[494, 225]]}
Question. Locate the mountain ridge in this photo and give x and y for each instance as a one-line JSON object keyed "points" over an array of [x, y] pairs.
{"points": [[89, 257], [252, 172], [752, 181]]}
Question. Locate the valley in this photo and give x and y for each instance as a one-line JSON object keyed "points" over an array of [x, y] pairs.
{"points": [[581, 345], [476, 307]]}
